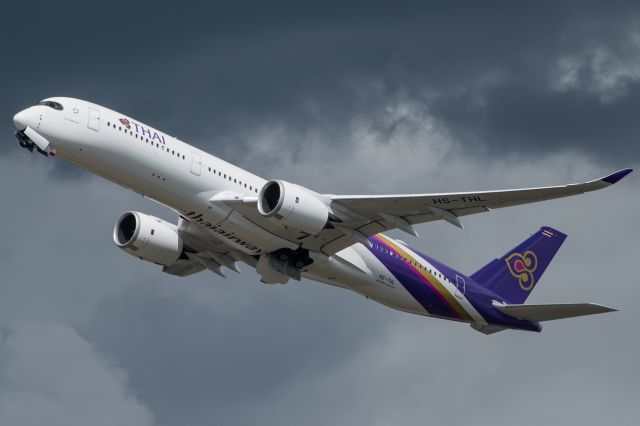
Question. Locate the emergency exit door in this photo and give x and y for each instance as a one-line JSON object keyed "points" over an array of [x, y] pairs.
{"points": [[94, 119], [196, 164]]}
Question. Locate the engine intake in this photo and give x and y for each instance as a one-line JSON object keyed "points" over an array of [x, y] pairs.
{"points": [[293, 206], [148, 238]]}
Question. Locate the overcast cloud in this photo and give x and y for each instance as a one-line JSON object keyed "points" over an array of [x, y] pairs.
{"points": [[343, 98]]}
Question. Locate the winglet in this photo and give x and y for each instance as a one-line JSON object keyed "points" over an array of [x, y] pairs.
{"points": [[617, 176]]}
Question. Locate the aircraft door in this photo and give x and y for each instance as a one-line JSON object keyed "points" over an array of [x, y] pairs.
{"points": [[94, 119], [196, 164], [460, 286]]}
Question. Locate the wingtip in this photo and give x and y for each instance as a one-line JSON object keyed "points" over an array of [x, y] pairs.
{"points": [[602, 309], [616, 177]]}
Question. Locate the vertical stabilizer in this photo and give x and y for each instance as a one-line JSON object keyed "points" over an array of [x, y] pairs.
{"points": [[514, 275]]}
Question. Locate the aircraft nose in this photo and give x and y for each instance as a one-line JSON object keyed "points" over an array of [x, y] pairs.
{"points": [[21, 120]]}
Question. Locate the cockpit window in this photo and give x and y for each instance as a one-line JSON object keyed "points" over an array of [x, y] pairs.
{"points": [[52, 104]]}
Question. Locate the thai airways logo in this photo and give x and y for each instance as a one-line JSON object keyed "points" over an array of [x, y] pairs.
{"points": [[522, 266], [149, 135]]}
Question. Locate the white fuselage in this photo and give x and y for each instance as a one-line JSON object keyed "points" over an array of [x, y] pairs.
{"points": [[185, 178], [286, 231]]}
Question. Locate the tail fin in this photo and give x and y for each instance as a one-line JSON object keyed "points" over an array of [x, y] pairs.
{"points": [[514, 275]]}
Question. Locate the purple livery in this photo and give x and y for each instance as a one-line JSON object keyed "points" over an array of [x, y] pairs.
{"points": [[490, 295]]}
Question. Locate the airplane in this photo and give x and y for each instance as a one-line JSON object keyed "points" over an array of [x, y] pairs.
{"points": [[286, 231]]}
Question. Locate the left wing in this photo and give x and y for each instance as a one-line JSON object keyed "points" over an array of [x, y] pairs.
{"points": [[205, 252]]}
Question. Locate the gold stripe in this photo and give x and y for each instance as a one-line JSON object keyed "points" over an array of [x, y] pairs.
{"points": [[433, 280]]}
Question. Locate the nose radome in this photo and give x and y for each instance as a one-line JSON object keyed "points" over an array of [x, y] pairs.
{"points": [[20, 120]]}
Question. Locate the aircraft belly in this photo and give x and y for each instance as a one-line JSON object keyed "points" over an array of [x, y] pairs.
{"points": [[357, 269], [426, 284]]}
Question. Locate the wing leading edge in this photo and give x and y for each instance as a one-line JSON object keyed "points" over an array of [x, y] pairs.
{"points": [[365, 215]]}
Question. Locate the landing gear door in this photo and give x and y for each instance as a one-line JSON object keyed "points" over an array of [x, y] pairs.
{"points": [[94, 119], [196, 164], [460, 286]]}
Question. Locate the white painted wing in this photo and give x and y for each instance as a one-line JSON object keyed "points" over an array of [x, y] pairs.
{"points": [[371, 214]]}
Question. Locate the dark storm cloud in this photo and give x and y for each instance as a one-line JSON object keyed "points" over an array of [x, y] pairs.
{"points": [[207, 72], [289, 330], [454, 96]]}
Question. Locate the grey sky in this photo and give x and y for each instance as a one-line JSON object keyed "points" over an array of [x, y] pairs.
{"points": [[454, 96]]}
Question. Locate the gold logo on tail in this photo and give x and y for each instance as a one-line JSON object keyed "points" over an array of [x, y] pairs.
{"points": [[522, 266]]}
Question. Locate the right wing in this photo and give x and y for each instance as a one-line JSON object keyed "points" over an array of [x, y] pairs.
{"points": [[362, 216], [355, 218]]}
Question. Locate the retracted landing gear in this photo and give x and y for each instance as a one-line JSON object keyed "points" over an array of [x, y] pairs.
{"points": [[24, 141], [279, 266], [289, 262], [28, 144]]}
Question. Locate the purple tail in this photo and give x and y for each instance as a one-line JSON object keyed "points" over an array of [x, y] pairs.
{"points": [[514, 275]]}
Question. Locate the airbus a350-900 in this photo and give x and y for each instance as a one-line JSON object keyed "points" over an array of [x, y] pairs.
{"points": [[285, 231]]}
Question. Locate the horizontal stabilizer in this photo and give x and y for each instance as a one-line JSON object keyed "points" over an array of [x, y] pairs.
{"points": [[487, 329], [551, 312]]}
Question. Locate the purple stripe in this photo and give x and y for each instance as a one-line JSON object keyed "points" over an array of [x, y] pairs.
{"points": [[416, 284]]}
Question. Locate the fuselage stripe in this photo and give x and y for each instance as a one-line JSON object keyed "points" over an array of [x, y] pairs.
{"points": [[442, 293]]}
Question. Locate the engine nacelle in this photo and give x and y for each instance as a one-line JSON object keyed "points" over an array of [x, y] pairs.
{"points": [[148, 238], [293, 206]]}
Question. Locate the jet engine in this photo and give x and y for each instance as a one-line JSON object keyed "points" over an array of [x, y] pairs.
{"points": [[148, 238], [293, 206]]}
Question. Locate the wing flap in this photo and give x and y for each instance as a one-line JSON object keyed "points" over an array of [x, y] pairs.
{"points": [[183, 268], [551, 311]]}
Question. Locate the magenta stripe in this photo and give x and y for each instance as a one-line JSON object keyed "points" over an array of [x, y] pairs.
{"points": [[422, 278]]}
